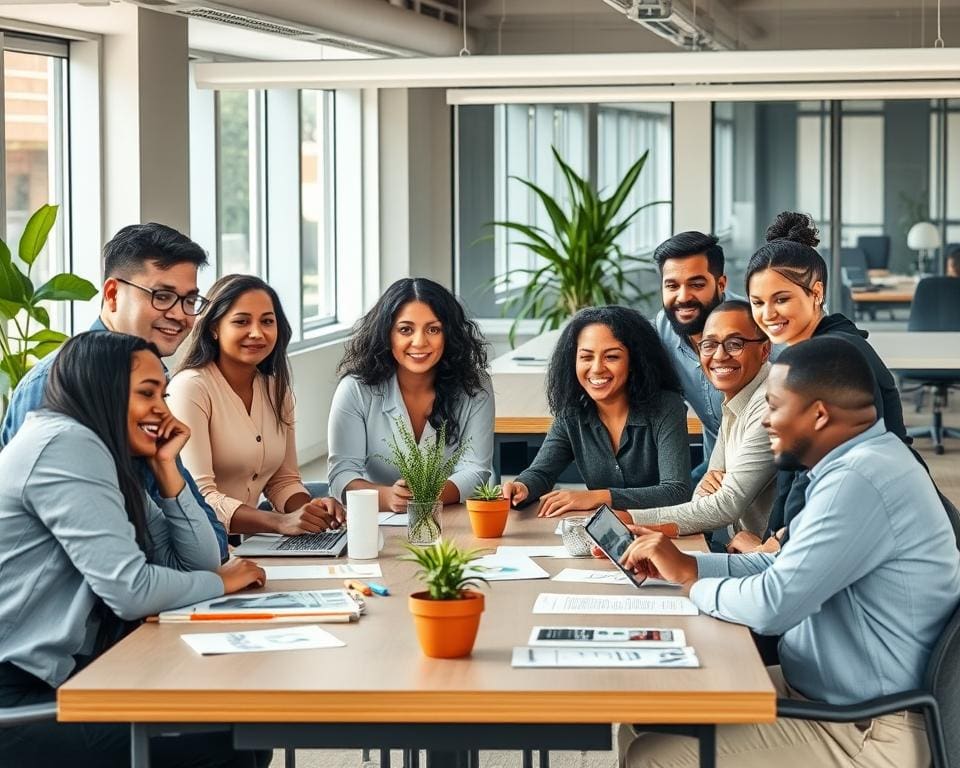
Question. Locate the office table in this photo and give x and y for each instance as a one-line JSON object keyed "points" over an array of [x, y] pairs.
{"points": [[380, 691]]}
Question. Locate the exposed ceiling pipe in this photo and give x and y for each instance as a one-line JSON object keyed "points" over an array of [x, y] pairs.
{"points": [[672, 22]]}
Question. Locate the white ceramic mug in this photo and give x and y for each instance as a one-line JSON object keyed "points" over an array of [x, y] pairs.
{"points": [[363, 530]]}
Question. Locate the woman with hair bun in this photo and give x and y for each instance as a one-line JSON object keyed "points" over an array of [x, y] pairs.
{"points": [[416, 357], [786, 284]]}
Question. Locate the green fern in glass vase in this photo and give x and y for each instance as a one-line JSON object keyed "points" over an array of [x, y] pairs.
{"points": [[425, 469]]}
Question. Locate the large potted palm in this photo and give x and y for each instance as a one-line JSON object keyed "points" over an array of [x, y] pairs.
{"points": [[582, 264]]}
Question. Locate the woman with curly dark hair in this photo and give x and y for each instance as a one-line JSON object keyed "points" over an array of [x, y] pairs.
{"points": [[414, 356], [618, 414]]}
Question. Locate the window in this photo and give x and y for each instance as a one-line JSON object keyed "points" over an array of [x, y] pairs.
{"points": [[239, 155], [34, 159], [318, 236], [496, 145]]}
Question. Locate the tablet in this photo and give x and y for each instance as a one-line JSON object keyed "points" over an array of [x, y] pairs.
{"points": [[613, 537]]}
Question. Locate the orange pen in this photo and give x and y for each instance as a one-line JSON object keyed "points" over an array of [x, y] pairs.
{"points": [[358, 585]]}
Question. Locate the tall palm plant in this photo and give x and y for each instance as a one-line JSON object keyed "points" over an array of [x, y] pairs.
{"points": [[583, 265]]}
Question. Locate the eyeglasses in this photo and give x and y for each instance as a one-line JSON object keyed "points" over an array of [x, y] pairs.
{"points": [[732, 346], [163, 299]]}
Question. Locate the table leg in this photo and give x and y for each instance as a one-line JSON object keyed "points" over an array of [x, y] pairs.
{"points": [[139, 745], [707, 735]]}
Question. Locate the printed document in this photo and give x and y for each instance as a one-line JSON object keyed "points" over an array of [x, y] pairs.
{"points": [[607, 637], [505, 568], [283, 639], [392, 519], [615, 605], [582, 576], [605, 657], [534, 551], [338, 571]]}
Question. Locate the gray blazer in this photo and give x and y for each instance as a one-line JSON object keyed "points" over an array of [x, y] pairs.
{"points": [[363, 418], [65, 541]]}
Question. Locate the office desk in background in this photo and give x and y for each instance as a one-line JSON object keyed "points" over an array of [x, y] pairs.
{"points": [[330, 698]]}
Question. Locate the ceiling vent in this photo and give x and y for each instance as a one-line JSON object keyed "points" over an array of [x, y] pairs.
{"points": [[670, 21]]}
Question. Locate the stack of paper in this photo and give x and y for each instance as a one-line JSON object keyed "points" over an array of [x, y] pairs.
{"points": [[336, 571], [505, 568], [313, 605]]}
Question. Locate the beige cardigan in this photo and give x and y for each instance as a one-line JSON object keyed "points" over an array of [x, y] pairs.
{"points": [[234, 456]]}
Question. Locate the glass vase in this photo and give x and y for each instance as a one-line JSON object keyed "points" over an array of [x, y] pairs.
{"points": [[423, 522]]}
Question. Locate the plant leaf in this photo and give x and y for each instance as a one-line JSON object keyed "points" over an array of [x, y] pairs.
{"points": [[11, 286], [43, 349], [65, 287], [34, 235], [40, 315], [48, 335]]}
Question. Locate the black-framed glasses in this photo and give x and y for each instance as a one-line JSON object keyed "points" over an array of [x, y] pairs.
{"points": [[733, 346], [164, 299]]}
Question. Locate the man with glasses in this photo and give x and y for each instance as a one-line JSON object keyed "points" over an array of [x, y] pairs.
{"points": [[740, 483], [150, 291]]}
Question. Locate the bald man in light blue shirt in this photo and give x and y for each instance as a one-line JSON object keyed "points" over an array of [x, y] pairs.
{"points": [[861, 591]]}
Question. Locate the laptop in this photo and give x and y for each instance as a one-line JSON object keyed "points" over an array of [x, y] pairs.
{"points": [[322, 544], [857, 279]]}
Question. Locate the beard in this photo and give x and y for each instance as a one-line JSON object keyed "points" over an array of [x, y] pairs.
{"points": [[695, 326], [790, 460]]}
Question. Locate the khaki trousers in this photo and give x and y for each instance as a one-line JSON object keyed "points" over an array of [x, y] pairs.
{"points": [[892, 741]]}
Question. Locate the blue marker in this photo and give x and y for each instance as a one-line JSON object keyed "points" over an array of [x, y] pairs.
{"points": [[378, 589]]}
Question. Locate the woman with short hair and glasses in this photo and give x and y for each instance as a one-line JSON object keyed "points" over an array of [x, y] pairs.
{"points": [[617, 413], [233, 390], [739, 485]]}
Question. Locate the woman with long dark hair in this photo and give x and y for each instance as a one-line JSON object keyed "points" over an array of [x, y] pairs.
{"points": [[85, 552], [233, 390], [415, 356], [617, 413], [786, 283]]}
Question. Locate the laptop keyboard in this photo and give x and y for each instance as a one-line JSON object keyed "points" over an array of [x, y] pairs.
{"points": [[312, 541]]}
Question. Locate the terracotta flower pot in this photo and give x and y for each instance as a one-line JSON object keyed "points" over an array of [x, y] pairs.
{"points": [[488, 518], [446, 629]]}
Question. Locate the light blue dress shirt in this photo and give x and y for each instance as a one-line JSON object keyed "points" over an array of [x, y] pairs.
{"points": [[865, 584], [28, 396], [363, 419], [65, 540]]}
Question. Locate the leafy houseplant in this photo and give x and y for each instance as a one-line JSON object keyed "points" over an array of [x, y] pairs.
{"points": [[21, 302], [447, 614], [584, 266], [488, 511], [425, 470]]}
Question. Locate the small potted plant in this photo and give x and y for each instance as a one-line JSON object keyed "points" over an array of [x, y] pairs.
{"points": [[425, 469], [447, 614], [488, 511]]}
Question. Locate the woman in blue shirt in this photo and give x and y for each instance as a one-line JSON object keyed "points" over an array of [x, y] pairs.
{"points": [[85, 553], [415, 357], [618, 414]]}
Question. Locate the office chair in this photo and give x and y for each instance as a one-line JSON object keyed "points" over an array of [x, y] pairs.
{"points": [[935, 307], [877, 250], [28, 713]]}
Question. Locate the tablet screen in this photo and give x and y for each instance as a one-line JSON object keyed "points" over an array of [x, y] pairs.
{"points": [[613, 537]]}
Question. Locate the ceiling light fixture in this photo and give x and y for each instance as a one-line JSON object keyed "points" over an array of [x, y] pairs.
{"points": [[675, 23]]}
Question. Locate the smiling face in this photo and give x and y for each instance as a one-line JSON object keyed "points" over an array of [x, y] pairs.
{"points": [[247, 333], [128, 309], [782, 309], [731, 373], [146, 407], [416, 338], [790, 422], [689, 292], [603, 364]]}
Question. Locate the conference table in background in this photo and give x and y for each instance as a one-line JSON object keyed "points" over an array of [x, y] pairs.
{"points": [[380, 691], [889, 292]]}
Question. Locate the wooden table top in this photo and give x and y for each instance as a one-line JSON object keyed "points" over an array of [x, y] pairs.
{"points": [[381, 675]]}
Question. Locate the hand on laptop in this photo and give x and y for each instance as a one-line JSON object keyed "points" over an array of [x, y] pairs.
{"points": [[314, 516]]}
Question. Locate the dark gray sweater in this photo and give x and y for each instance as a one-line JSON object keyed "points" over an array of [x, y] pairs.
{"points": [[650, 469]]}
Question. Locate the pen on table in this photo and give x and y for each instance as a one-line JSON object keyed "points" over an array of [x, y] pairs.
{"points": [[358, 585], [378, 589]]}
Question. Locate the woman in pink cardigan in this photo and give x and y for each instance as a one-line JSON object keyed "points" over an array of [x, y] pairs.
{"points": [[233, 390]]}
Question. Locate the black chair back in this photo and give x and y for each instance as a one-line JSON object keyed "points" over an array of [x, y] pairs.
{"points": [[936, 305], [943, 680], [877, 250]]}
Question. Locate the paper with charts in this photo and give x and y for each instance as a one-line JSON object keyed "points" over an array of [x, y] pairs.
{"points": [[505, 568], [336, 571], [555, 551], [583, 576], [282, 639], [615, 605], [607, 637], [321, 605], [605, 657]]}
